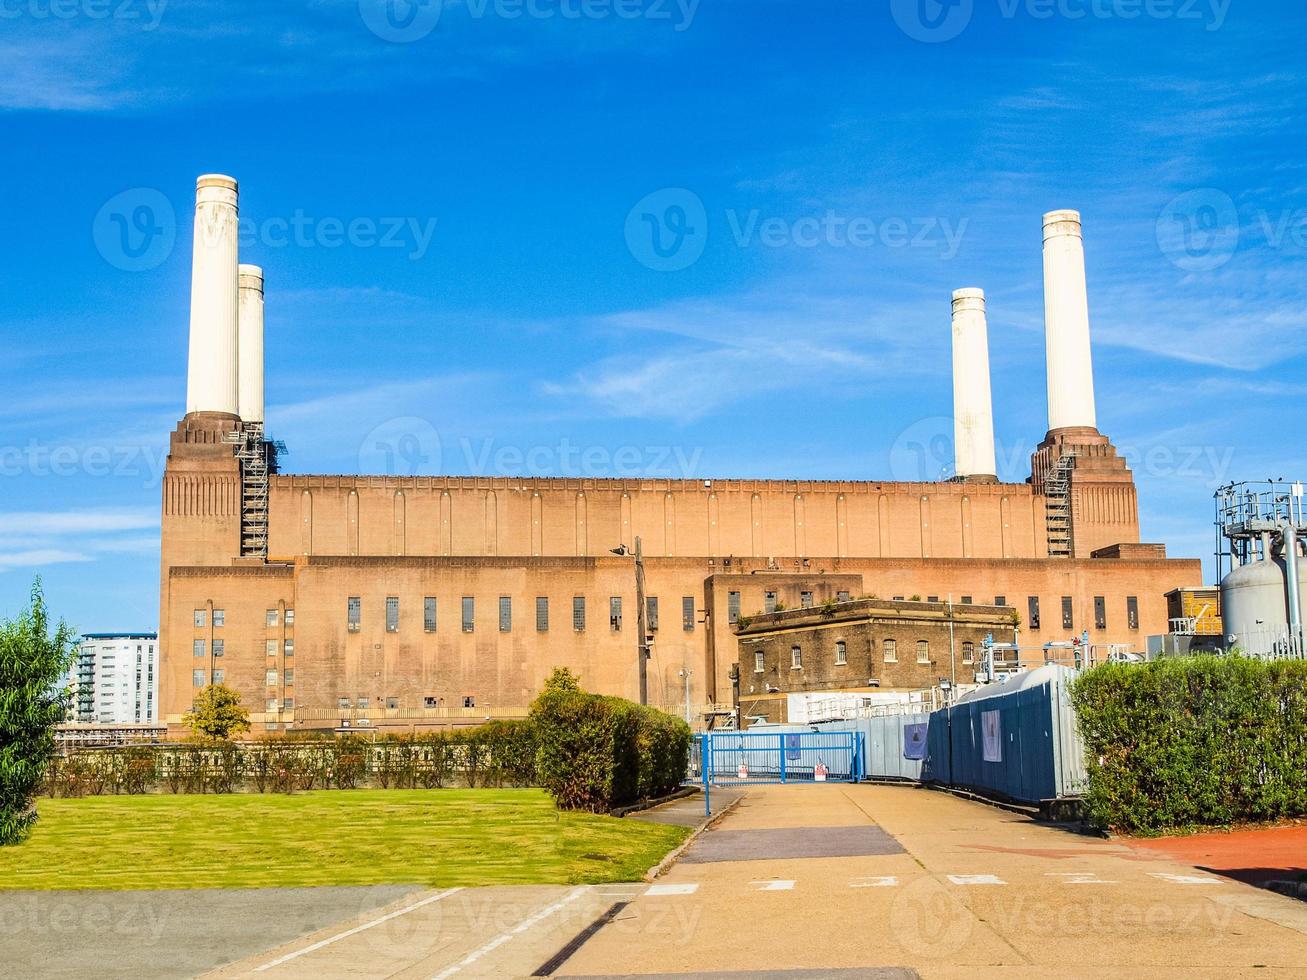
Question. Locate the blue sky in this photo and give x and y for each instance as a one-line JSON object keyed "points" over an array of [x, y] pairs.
{"points": [[449, 204]]}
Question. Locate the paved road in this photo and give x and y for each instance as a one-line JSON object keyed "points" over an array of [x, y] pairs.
{"points": [[968, 891]]}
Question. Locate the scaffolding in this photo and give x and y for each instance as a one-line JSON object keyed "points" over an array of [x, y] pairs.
{"points": [[1057, 501], [258, 460]]}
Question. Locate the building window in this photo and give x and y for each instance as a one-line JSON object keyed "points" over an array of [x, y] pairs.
{"points": [[1032, 606], [796, 658], [1132, 611], [687, 613], [1000, 600], [1068, 620], [615, 612], [364, 703], [651, 612], [342, 704], [289, 676], [841, 596], [505, 614], [732, 608], [219, 676], [1100, 613], [805, 600], [218, 648], [219, 617], [469, 613], [966, 600], [932, 598], [429, 614], [271, 678], [769, 602], [841, 653], [197, 646], [469, 702], [273, 617], [201, 617], [430, 701], [353, 611], [392, 614], [290, 617], [288, 703], [392, 703], [270, 647], [270, 705], [542, 614], [288, 648], [968, 652], [923, 651], [891, 649], [758, 661], [578, 613], [197, 678]]}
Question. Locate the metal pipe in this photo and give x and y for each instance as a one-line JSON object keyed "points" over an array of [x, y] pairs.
{"points": [[1294, 586], [642, 647]]}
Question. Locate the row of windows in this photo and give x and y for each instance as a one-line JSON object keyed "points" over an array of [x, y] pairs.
{"points": [[467, 611], [889, 651], [199, 677], [272, 617], [200, 647]]}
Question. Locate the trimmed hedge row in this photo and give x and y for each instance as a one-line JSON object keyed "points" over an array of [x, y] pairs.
{"points": [[596, 752], [1195, 741], [495, 754]]}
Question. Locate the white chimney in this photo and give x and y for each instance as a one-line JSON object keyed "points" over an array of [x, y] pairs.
{"points": [[1066, 324], [973, 411], [251, 343], [211, 379]]}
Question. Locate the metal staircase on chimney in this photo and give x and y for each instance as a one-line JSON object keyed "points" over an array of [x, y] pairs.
{"points": [[1057, 500], [257, 458]]}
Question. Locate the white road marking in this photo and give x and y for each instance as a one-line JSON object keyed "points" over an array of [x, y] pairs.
{"points": [[1078, 878], [976, 880], [874, 881], [356, 930], [517, 930], [777, 885], [1185, 879], [673, 889]]}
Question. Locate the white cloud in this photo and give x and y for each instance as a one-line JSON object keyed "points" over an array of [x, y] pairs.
{"points": [[77, 521]]}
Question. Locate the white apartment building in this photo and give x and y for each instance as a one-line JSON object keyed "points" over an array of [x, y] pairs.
{"points": [[115, 680]]}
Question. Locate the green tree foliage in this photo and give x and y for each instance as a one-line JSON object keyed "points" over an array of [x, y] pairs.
{"points": [[1194, 741], [594, 753], [33, 662], [217, 714]]}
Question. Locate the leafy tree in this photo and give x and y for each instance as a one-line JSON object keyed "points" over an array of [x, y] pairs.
{"points": [[33, 663], [217, 714]]}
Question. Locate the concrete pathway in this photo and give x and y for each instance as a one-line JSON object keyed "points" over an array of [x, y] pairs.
{"points": [[969, 892]]}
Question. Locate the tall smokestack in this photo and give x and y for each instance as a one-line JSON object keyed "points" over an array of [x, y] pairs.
{"points": [[251, 343], [973, 411], [211, 378], [1066, 324]]}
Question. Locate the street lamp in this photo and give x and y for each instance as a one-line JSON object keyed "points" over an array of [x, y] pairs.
{"points": [[642, 644]]}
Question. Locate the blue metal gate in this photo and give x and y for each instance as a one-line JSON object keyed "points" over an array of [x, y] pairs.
{"points": [[747, 758]]}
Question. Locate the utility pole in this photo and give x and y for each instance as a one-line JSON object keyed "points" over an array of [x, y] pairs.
{"points": [[686, 672], [642, 647]]}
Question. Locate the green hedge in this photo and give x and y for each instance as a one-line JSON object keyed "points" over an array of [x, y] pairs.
{"points": [[595, 753], [1194, 741]]}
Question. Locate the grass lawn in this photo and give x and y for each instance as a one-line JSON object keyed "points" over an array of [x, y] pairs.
{"points": [[436, 837]]}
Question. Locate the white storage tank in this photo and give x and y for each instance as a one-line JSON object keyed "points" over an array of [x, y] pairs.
{"points": [[1253, 605]]}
